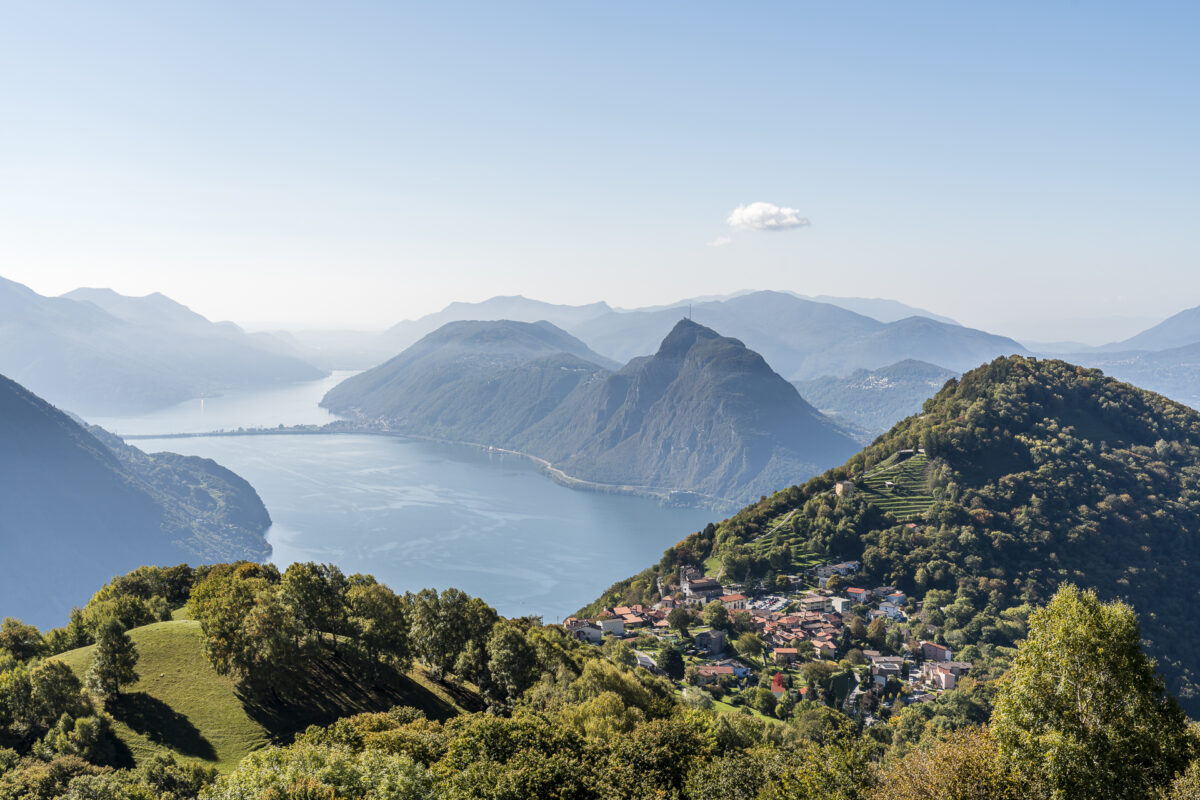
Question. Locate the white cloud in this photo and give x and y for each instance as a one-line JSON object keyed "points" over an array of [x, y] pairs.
{"points": [[720, 241], [766, 217]]}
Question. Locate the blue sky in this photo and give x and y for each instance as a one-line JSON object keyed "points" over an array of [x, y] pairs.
{"points": [[1024, 167]]}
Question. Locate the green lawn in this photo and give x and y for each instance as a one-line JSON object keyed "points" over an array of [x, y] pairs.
{"points": [[182, 705]]}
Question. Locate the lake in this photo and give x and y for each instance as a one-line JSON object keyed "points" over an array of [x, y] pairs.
{"points": [[417, 514]]}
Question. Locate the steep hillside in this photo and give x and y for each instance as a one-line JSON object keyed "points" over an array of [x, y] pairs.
{"points": [[704, 413], [99, 511], [96, 352], [876, 399], [1039, 473]]}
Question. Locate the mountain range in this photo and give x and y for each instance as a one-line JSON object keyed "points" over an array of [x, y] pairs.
{"points": [[103, 507], [704, 414], [97, 352]]}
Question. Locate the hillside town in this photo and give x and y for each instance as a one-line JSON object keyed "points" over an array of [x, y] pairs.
{"points": [[824, 641]]}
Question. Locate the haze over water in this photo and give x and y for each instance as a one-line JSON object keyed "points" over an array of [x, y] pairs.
{"points": [[418, 514]]}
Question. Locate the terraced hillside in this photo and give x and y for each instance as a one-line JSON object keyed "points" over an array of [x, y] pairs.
{"points": [[899, 486]]}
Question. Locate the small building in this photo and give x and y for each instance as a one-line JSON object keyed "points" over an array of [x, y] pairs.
{"points": [[816, 603], [740, 670], [734, 602], [613, 625], [710, 673], [840, 605], [584, 631], [843, 488], [824, 648], [785, 655], [710, 641], [935, 652], [858, 595], [943, 675]]}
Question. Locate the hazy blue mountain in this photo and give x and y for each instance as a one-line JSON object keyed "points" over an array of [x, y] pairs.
{"points": [[1174, 373], [1180, 330], [801, 338], [515, 308], [480, 382], [98, 352], [875, 400], [878, 308], [94, 507], [704, 414]]}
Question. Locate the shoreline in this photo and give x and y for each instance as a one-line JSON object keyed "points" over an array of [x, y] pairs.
{"points": [[666, 497]]}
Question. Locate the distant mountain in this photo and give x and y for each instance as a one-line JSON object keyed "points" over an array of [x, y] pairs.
{"points": [[94, 507], [97, 352], [515, 308], [704, 414], [876, 399], [878, 308], [479, 382], [1174, 373], [1179, 330], [801, 338]]}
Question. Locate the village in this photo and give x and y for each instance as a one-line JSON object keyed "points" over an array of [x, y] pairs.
{"points": [[824, 641]]}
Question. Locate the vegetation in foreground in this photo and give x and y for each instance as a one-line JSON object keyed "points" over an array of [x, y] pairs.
{"points": [[1080, 714]]}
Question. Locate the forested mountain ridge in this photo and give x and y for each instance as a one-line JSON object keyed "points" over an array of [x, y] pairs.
{"points": [[1041, 472], [703, 415], [100, 507]]}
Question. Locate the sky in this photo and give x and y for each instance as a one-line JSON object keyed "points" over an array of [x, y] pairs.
{"points": [[1025, 167]]}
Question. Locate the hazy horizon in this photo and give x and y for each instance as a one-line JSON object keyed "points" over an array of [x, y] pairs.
{"points": [[1027, 169]]}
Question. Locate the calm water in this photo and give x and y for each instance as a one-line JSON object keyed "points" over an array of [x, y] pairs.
{"points": [[418, 514], [289, 405]]}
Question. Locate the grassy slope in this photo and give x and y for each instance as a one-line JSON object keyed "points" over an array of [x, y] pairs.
{"points": [[182, 705], [909, 498]]}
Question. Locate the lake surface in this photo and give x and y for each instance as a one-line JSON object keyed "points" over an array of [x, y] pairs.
{"points": [[418, 514]]}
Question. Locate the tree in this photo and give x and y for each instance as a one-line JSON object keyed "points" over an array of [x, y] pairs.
{"points": [[716, 615], [877, 633], [19, 640], [671, 663], [749, 645], [963, 766], [378, 615], [1082, 711], [316, 595], [679, 619], [114, 661], [512, 663]]}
